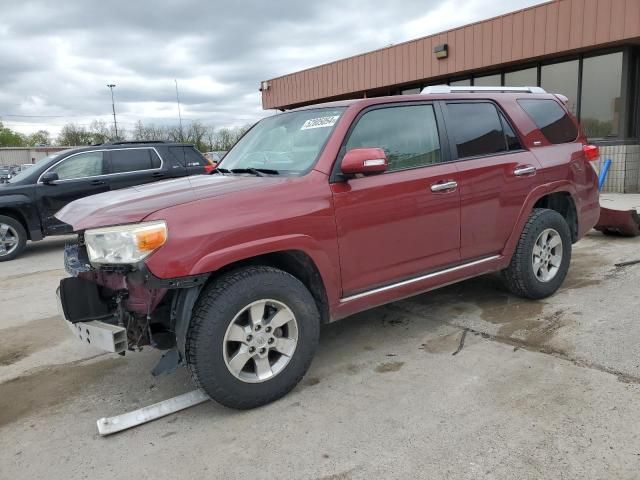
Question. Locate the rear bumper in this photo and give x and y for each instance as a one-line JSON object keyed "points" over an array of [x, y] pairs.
{"points": [[111, 338]]}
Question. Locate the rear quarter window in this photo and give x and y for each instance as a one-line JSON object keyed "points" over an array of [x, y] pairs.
{"points": [[187, 156], [552, 120]]}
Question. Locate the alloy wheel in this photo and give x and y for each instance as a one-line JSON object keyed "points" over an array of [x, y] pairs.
{"points": [[9, 239], [547, 255], [260, 341]]}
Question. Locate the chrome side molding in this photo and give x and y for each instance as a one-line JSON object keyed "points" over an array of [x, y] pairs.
{"points": [[419, 279]]}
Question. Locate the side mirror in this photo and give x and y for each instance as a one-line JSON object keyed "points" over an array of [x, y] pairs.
{"points": [[364, 161], [50, 177]]}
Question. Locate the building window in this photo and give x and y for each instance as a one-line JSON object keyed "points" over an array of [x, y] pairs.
{"points": [[562, 78], [466, 82], [488, 81], [522, 78], [408, 135], [601, 95]]}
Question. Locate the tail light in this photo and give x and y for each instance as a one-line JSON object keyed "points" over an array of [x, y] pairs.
{"points": [[591, 152], [209, 168]]}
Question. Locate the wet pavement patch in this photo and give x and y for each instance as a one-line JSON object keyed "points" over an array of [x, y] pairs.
{"points": [[48, 387], [21, 341], [389, 367], [442, 344]]}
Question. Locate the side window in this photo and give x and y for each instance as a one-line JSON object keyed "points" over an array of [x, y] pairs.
{"points": [[513, 143], [133, 160], [408, 135], [89, 164], [187, 156], [552, 120], [476, 128]]}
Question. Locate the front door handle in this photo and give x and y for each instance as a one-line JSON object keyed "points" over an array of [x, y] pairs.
{"points": [[158, 174], [527, 170], [444, 186], [97, 182]]}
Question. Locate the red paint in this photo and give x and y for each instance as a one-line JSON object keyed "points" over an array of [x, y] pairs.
{"points": [[365, 232], [364, 161]]}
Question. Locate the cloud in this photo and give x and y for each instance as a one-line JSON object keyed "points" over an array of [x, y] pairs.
{"points": [[57, 57]]}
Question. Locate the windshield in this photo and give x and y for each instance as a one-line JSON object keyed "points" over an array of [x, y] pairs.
{"points": [[27, 171], [288, 143]]}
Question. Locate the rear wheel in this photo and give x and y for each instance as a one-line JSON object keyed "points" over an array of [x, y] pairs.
{"points": [[541, 260], [252, 336], [13, 238]]}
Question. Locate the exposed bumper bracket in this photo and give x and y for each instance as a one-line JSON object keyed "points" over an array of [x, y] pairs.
{"points": [[105, 336]]}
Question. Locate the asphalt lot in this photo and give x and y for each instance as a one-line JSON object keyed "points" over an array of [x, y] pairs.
{"points": [[546, 389]]}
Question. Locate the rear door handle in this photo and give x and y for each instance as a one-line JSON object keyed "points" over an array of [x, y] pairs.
{"points": [[444, 186], [97, 182], [521, 171], [158, 174]]}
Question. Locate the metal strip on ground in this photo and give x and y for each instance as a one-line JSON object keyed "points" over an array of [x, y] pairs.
{"points": [[109, 425]]}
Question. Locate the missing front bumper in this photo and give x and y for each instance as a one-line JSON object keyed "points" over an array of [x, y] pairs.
{"points": [[111, 338]]}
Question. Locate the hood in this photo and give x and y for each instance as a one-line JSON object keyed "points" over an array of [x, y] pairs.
{"points": [[133, 204]]}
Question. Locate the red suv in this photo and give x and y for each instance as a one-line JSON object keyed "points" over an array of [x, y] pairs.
{"points": [[322, 212]]}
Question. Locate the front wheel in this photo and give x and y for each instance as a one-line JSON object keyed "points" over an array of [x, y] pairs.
{"points": [[13, 238], [252, 336], [541, 260]]}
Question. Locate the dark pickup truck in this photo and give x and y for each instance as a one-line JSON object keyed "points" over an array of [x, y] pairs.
{"points": [[30, 199]]}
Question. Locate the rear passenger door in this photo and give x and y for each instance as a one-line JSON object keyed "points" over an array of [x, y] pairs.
{"points": [[134, 166], [495, 175], [406, 221]]}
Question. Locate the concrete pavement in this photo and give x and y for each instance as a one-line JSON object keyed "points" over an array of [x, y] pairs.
{"points": [[544, 389]]}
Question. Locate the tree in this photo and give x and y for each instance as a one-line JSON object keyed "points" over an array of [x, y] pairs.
{"points": [[99, 131], [41, 137], [11, 138], [226, 138], [73, 135], [195, 134]]}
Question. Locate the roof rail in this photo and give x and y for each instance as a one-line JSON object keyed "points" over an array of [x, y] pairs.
{"points": [[135, 142], [449, 89]]}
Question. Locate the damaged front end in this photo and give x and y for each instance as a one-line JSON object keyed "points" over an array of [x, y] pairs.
{"points": [[125, 307]]}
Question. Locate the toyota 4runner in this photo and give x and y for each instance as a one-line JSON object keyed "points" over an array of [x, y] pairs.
{"points": [[322, 212]]}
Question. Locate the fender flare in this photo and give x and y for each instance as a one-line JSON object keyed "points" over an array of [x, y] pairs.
{"points": [[527, 207]]}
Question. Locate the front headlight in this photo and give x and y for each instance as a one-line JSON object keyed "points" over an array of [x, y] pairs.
{"points": [[125, 244]]}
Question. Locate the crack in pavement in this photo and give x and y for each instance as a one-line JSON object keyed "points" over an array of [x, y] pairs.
{"points": [[546, 349]]}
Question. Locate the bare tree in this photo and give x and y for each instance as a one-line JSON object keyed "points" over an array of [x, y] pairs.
{"points": [[100, 132]]}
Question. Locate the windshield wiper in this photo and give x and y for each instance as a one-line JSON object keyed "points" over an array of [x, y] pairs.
{"points": [[220, 170], [260, 172]]}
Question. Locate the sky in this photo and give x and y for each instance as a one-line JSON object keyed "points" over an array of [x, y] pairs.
{"points": [[56, 58]]}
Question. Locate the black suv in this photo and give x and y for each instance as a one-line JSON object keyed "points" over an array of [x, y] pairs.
{"points": [[31, 198]]}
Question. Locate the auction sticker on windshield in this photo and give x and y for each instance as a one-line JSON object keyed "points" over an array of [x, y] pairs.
{"points": [[320, 122]]}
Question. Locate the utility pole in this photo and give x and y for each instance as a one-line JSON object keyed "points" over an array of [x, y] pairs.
{"points": [[113, 107], [179, 114]]}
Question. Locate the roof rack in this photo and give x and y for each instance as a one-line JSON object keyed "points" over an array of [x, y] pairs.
{"points": [[449, 89], [135, 142]]}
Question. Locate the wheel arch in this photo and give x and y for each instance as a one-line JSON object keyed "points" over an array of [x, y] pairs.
{"points": [[17, 215], [561, 199], [297, 263], [563, 203]]}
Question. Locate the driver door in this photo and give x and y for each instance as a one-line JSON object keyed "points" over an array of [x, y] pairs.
{"points": [[397, 225], [79, 175]]}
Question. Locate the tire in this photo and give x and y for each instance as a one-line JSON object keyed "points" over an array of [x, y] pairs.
{"points": [[525, 276], [13, 238], [213, 342]]}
